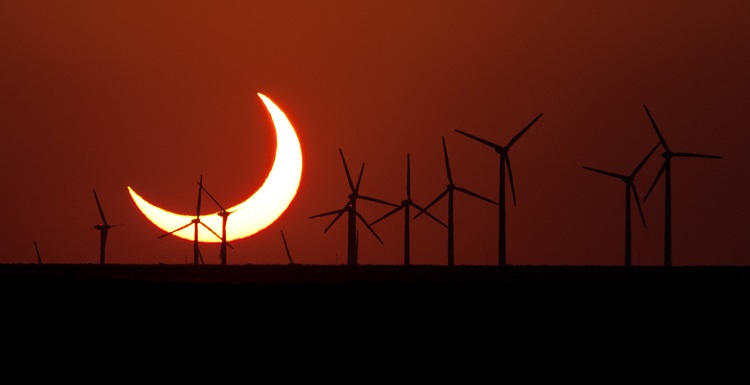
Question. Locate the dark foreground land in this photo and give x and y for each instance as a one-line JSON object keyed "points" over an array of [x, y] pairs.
{"points": [[399, 297], [269, 276]]}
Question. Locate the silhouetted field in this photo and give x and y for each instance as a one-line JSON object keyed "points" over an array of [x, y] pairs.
{"points": [[370, 275], [372, 297]]}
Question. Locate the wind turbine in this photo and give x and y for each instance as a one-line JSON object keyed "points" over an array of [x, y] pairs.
{"points": [[504, 162], [405, 204], [195, 222], [224, 214], [449, 189], [351, 208], [629, 185], [103, 230], [666, 169]]}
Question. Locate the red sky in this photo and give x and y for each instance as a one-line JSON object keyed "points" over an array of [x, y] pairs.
{"points": [[153, 94]]}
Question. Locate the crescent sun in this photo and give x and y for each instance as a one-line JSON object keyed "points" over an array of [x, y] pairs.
{"points": [[261, 209]]}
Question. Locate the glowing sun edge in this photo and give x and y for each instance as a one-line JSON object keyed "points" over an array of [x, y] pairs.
{"points": [[261, 209]]}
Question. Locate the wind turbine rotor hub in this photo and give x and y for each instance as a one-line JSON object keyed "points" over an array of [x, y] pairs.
{"points": [[667, 154]]}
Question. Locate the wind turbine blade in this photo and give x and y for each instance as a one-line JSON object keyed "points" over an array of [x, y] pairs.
{"points": [[607, 173], [518, 136], [408, 177], [286, 247], [200, 190], [341, 212], [346, 169], [368, 226], [658, 133], [213, 199], [465, 191], [328, 213], [101, 212], [38, 256], [210, 229], [691, 155], [174, 231], [359, 179], [638, 203], [432, 203], [377, 200], [644, 160], [510, 178], [478, 139], [200, 254], [447, 163], [387, 215], [661, 171], [428, 214]]}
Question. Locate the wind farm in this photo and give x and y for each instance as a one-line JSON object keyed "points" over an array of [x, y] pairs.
{"points": [[263, 99], [371, 274]]}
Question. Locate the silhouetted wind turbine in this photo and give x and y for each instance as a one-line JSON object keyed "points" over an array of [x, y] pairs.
{"points": [[667, 171], [195, 222], [405, 204], [351, 208], [504, 162], [288, 254], [629, 185], [449, 191], [103, 230], [38, 256], [224, 214]]}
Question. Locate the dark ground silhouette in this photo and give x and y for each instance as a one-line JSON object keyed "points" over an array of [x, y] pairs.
{"points": [[376, 275], [437, 300]]}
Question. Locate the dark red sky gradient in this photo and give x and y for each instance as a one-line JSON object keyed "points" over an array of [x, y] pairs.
{"points": [[152, 94]]}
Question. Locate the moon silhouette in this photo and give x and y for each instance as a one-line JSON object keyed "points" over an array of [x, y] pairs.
{"points": [[261, 209]]}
